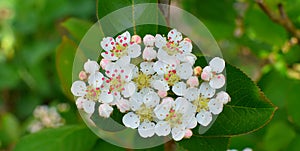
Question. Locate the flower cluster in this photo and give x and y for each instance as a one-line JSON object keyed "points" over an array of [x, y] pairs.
{"points": [[45, 117], [163, 94]]}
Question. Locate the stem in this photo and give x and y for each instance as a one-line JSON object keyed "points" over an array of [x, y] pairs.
{"points": [[170, 145], [165, 9], [281, 19]]}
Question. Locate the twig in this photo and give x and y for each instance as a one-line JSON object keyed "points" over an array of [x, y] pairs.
{"points": [[281, 19]]}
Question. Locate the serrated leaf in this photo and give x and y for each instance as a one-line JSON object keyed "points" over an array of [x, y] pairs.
{"points": [[249, 109], [203, 144], [67, 138]]}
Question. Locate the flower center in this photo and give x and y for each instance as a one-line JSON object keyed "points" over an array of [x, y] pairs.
{"points": [[92, 93], [171, 48], [145, 113], [171, 77], [201, 103], [142, 81], [119, 50], [174, 118], [116, 84]]}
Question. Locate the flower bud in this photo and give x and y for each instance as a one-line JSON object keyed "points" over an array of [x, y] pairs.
{"points": [[149, 40], [188, 133], [103, 63], [197, 71], [162, 94], [82, 75], [136, 38], [193, 81]]}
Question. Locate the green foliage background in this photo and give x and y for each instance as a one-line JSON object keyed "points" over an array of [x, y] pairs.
{"points": [[38, 41]]}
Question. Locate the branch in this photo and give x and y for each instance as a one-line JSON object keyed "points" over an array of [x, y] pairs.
{"points": [[281, 18]]}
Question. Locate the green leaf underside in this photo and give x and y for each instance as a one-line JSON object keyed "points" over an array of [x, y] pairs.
{"points": [[248, 110], [67, 138], [203, 144]]}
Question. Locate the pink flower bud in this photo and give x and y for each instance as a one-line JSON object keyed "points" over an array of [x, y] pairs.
{"points": [[167, 100], [82, 75], [136, 38], [193, 81], [149, 40], [162, 94], [197, 71], [188, 133], [103, 63]]}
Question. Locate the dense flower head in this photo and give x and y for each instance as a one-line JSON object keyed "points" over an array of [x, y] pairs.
{"points": [[163, 94]]}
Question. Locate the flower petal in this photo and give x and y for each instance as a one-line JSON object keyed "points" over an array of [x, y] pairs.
{"points": [[109, 55], [160, 41], [151, 99], [146, 129], [163, 109], [124, 38], [217, 64], [178, 133], [217, 82], [147, 68], [184, 71], [134, 50], [78, 88], [204, 117], [160, 67], [206, 90], [123, 105], [149, 54], [192, 94], [135, 101], [160, 85], [95, 79], [79, 102], [185, 46], [192, 123], [174, 36], [193, 81], [123, 61], [112, 69], [149, 40], [129, 89], [206, 74], [91, 66], [131, 120], [108, 43], [215, 106], [223, 97], [88, 106], [106, 97], [179, 88], [105, 110], [162, 128]]}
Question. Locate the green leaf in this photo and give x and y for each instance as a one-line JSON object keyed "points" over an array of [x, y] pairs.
{"points": [[131, 17], [103, 145], [76, 27], [274, 137], [285, 95], [67, 138], [203, 144], [9, 129], [221, 26], [249, 109], [65, 54]]}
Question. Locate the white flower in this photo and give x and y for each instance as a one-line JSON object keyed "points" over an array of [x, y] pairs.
{"points": [[90, 93], [175, 46], [120, 74], [141, 116], [165, 63], [202, 99], [174, 117], [120, 47], [212, 73]]}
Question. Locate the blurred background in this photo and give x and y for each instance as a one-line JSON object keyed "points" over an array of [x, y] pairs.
{"points": [[38, 39]]}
